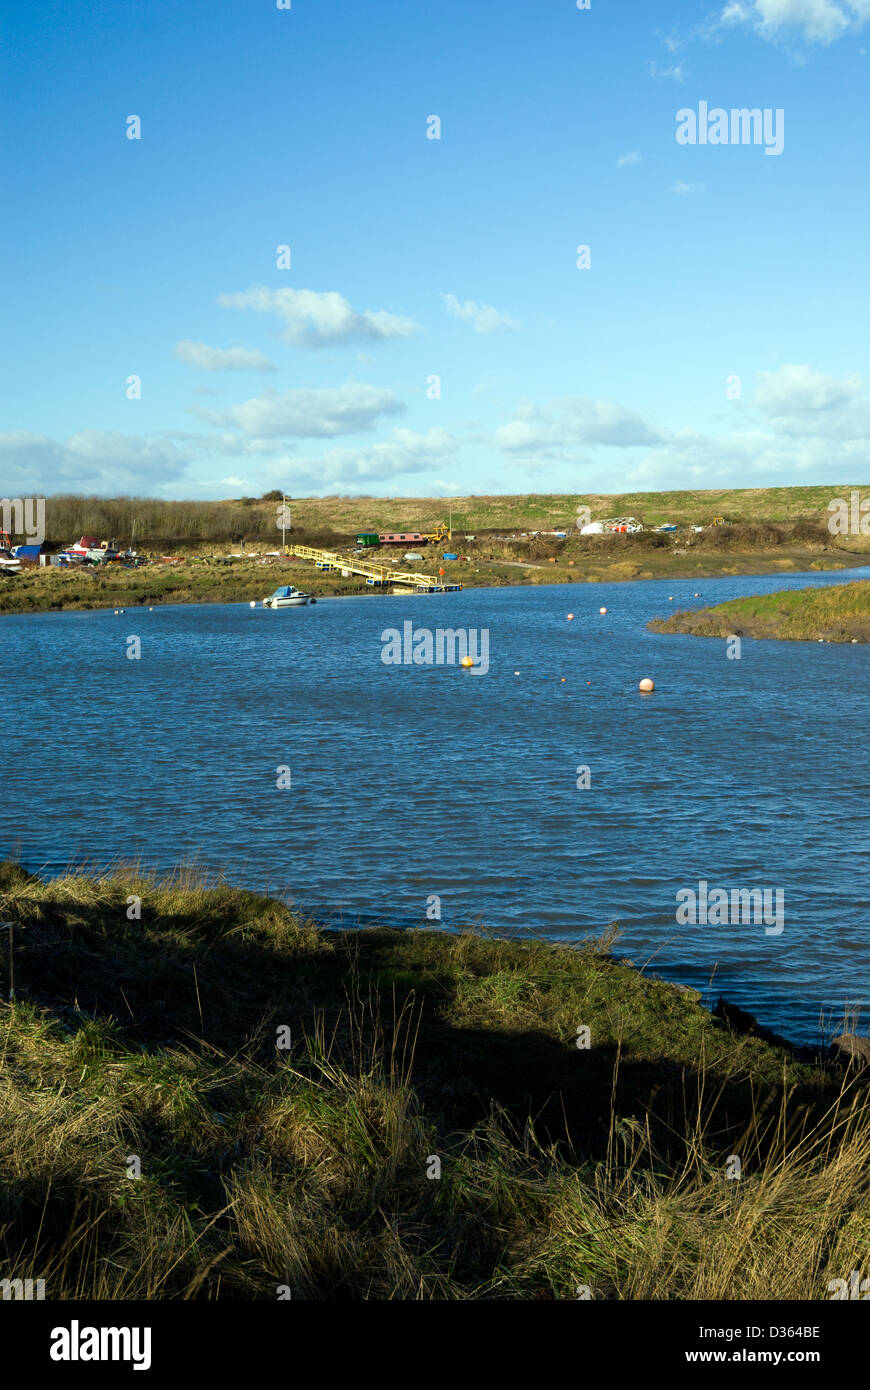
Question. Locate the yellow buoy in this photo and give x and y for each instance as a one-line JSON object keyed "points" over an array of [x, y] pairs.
{"points": [[467, 661], [646, 685]]}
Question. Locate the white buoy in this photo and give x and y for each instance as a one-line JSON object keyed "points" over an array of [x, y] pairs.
{"points": [[646, 685], [253, 603]]}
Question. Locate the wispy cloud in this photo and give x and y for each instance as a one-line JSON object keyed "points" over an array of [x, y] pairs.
{"points": [[558, 430], [677, 73], [212, 359], [685, 189], [817, 21], [100, 461], [482, 317], [308, 413], [625, 159], [320, 319], [343, 469]]}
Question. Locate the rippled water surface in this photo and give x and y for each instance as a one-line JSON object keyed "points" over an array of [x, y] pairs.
{"points": [[412, 780]]}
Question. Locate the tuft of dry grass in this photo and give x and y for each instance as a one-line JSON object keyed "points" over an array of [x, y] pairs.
{"points": [[431, 1130]]}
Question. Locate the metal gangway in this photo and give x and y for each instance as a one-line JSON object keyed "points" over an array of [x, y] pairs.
{"points": [[373, 574]]}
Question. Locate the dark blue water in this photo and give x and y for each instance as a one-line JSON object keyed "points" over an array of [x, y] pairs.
{"points": [[411, 781]]}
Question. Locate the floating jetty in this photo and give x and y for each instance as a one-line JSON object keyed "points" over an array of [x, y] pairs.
{"points": [[374, 574]]}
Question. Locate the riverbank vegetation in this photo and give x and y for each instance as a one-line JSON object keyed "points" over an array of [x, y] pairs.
{"points": [[203, 572], [836, 613], [151, 520], [217, 1099]]}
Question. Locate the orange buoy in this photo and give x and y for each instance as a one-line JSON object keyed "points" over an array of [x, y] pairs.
{"points": [[602, 610], [570, 617], [646, 685]]}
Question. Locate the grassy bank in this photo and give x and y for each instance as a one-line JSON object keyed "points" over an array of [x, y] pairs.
{"points": [[314, 1165], [150, 519], [839, 613]]}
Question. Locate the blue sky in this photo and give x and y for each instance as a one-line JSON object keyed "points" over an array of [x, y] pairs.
{"points": [[413, 258]]}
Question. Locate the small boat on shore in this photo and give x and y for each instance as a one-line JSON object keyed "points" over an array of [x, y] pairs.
{"points": [[288, 596]]}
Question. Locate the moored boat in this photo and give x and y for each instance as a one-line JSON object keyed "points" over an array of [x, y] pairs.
{"points": [[288, 596]]}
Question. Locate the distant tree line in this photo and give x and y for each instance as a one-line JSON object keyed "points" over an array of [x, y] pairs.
{"points": [[67, 517]]}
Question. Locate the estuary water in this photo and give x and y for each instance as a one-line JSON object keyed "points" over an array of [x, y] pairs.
{"points": [[415, 787]]}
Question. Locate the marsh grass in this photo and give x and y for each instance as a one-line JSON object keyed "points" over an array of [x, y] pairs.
{"points": [[307, 1167], [836, 613]]}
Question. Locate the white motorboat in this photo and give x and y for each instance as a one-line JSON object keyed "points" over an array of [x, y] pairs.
{"points": [[288, 596]]}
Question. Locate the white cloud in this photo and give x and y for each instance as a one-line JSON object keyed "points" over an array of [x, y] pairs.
{"points": [[308, 413], [561, 429], [482, 317], [685, 188], [211, 359], [818, 21], [344, 469], [807, 424], [105, 462], [315, 319], [626, 159], [796, 391]]}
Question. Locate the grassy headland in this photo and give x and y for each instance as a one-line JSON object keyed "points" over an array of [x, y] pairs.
{"points": [[316, 1165], [839, 613]]}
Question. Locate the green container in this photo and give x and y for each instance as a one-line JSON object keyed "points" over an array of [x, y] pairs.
{"points": [[367, 538]]}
